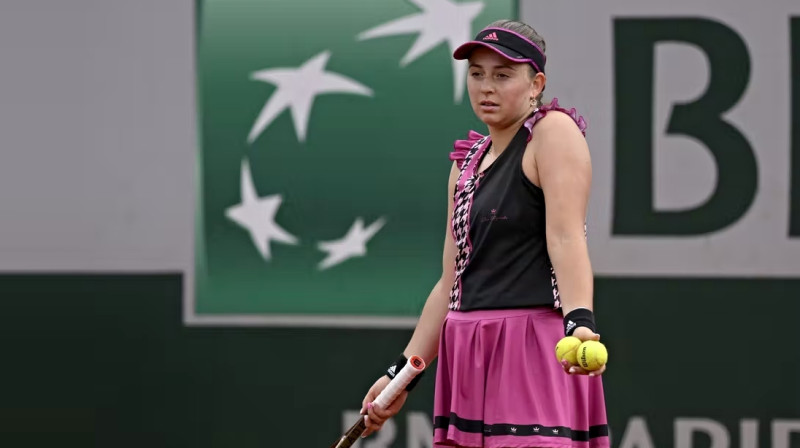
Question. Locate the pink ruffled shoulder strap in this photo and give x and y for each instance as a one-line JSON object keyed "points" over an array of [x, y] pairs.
{"points": [[543, 110], [462, 147]]}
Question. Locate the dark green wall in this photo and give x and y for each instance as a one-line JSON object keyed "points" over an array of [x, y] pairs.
{"points": [[106, 361]]}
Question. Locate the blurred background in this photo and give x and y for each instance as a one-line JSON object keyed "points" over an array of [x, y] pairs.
{"points": [[220, 219]]}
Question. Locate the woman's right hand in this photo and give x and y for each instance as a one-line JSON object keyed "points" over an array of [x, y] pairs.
{"points": [[377, 416]]}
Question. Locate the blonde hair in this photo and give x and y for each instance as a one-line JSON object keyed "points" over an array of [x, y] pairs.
{"points": [[525, 30]]}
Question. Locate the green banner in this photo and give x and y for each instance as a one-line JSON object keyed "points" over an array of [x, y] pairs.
{"points": [[326, 129]]}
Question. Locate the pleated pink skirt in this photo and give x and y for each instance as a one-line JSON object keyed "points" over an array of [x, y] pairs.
{"points": [[499, 385]]}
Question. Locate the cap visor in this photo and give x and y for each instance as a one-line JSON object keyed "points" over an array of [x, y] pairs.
{"points": [[466, 49]]}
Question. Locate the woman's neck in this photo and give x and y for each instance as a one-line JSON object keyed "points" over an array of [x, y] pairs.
{"points": [[501, 137]]}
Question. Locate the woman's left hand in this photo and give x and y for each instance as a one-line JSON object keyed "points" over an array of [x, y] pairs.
{"points": [[584, 334]]}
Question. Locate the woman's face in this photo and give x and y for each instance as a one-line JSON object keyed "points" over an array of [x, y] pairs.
{"points": [[500, 90]]}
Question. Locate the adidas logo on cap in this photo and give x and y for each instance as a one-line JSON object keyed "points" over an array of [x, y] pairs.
{"points": [[491, 36]]}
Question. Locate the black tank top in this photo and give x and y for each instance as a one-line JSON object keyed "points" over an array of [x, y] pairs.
{"points": [[498, 225]]}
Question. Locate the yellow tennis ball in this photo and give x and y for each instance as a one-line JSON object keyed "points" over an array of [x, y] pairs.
{"points": [[568, 348], [592, 355]]}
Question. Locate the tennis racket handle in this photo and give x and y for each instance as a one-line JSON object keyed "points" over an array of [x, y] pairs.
{"points": [[413, 367]]}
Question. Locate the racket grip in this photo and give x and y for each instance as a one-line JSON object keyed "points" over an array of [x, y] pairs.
{"points": [[413, 367]]}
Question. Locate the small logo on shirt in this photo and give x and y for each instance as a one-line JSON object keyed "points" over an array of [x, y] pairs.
{"points": [[493, 216]]}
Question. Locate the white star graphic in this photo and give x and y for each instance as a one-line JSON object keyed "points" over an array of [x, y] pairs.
{"points": [[354, 244], [257, 215], [296, 90], [440, 21]]}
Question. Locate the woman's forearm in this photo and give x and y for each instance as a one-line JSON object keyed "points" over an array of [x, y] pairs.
{"points": [[569, 255], [425, 340]]}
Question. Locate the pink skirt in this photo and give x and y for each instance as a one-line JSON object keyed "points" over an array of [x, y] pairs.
{"points": [[499, 384]]}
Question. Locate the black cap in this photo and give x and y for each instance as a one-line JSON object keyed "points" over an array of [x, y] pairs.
{"points": [[506, 43]]}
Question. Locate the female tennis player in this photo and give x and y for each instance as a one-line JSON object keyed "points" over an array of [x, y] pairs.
{"points": [[516, 274]]}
